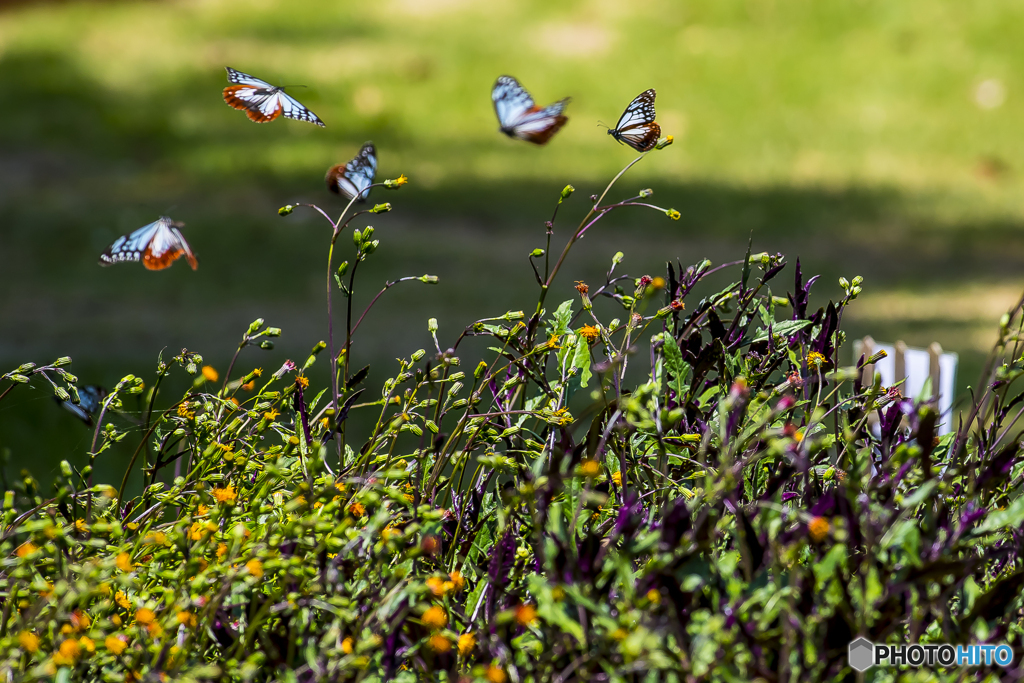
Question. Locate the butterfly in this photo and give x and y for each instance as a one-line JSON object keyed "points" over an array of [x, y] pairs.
{"points": [[158, 244], [520, 118], [263, 102], [89, 399], [356, 176], [636, 126]]}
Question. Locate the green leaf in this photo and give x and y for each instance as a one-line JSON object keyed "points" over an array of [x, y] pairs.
{"points": [[1010, 517], [562, 317], [784, 328], [674, 358], [581, 361]]}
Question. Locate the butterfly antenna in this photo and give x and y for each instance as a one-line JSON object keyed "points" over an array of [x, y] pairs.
{"points": [[293, 86], [601, 124]]}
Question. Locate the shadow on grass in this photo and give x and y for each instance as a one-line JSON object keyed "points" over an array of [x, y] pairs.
{"points": [[73, 151]]}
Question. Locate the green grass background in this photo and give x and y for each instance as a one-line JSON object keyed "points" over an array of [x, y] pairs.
{"points": [[847, 133]]}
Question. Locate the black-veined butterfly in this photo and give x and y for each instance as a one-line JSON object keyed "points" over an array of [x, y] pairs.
{"points": [[262, 101], [89, 399], [520, 118], [158, 245], [356, 176], [636, 126]]}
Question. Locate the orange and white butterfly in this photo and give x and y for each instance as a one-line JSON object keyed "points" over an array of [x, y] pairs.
{"points": [[518, 115], [262, 101], [158, 244], [356, 176], [636, 126]]}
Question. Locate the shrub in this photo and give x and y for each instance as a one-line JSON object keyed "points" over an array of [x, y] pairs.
{"points": [[743, 510]]}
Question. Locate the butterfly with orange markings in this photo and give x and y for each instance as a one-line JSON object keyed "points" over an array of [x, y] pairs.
{"points": [[262, 101], [636, 126], [157, 245], [518, 115], [355, 177]]}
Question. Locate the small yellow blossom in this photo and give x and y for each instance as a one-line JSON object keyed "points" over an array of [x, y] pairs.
{"points": [[357, 509], [29, 642], [145, 616], [815, 359], [124, 562], [258, 372], [224, 495], [673, 214], [658, 283], [156, 538], [458, 581], [271, 415], [80, 526], [558, 594], [121, 599], [435, 617], [132, 525], [115, 644], [222, 549], [590, 468], [26, 549], [619, 634], [80, 620], [186, 619], [348, 645], [183, 410], [467, 641], [439, 643], [654, 596], [397, 182], [526, 615], [155, 630], [617, 478], [115, 619], [302, 381], [495, 674], [817, 529], [590, 332], [210, 373], [87, 644], [255, 567], [202, 510], [436, 586]]}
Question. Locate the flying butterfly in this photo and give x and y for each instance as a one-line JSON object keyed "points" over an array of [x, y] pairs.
{"points": [[636, 126], [518, 115], [158, 245], [89, 399], [355, 177], [262, 101]]}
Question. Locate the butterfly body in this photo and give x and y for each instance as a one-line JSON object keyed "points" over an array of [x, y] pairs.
{"points": [[520, 118], [89, 399], [354, 178], [263, 102], [637, 127], [157, 245]]}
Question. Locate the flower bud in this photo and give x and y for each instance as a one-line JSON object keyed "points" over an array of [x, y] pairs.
{"points": [[417, 356], [256, 325], [273, 332], [61, 393], [63, 360], [15, 377], [342, 269], [646, 193], [65, 468], [513, 315], [665, 142], [428, 279], [673, 214], [432, 325], [481, 368], [396, 183], [75, 398], [381, 208], [285, 210], [25, 367], [67, 376], [537, 253], [367, 232], [371, 247], [266, 345], [357, 237], [857, 281], [566, 193]]}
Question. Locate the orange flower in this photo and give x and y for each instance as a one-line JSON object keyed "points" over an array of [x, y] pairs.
{"points": [[590, 468], [439, 643], [121, 599], [210, 374], [467, 641], [818, 528], [145, 616], [115, 644], [357, 509], [26, 549], [348, 645], [458, 580], [255, 567], [187, 619], [435, 617], [436, 586], [582, 287], [526, 614], [495, 675], [124, 562], [248, 386], [29, 642], [226, 494], [590, 332], [302, 381]]}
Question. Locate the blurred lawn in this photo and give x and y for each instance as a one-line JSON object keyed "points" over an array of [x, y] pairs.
{"points": [[865, 137]]}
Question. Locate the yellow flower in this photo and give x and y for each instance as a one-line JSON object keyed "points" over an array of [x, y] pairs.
{"points": [[226, 494], [145, 616], [458, 581], [590, 468], [210, 374], [69, 649], [124, 562], [80, 526], [155, 630], [654, 596], [132, 525], [619, 634], [526, 615], [590, 332], [271, 415], [435, 617], [115, 619], [397, 182], [658, 283], [356, 509], [29, 642], [673, 214], [186, 619], [617, 478], [467, 641], [121, 599], [558, 593], [436, 586], [348, 645], [87, 644], [815, 359], [80, 620], [183, 411], [258, 372], [495, 675], [26, 549], [157, 538], [115, 644], [302, 381], [255, 567], [202, 510], [439, 643], [817, 529]]}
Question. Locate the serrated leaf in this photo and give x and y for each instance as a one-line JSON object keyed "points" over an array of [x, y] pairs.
{"points": [[784, 328]]}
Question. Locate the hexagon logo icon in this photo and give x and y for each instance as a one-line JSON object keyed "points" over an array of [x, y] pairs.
{"points": [[862, 654]]}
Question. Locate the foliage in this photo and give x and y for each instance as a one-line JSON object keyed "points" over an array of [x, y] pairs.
{"points": [[743, 511]]}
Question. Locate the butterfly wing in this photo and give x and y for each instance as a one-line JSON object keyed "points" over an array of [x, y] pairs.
{"points": [[167, 246], [239, 78], [518, 115], [292, 109], [89, 399], [356, 176], [636, 126], [130, 247], [539, 124]]}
